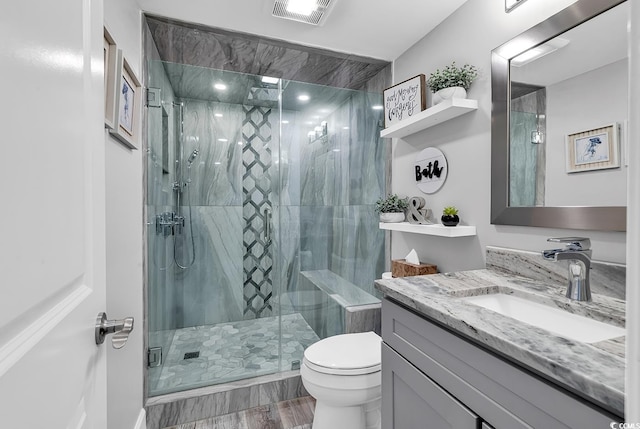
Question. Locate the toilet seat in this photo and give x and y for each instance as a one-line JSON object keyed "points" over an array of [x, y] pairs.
{"points": [[346, 354]]}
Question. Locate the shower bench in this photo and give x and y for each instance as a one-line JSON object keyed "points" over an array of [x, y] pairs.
{"points": [[332, 305]]}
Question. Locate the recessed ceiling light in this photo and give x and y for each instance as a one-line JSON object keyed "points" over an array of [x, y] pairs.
{"points": [[377, 107], [302, 7], [285, 122], [217, 163], [272, 80], [303, 97], [240, 143], [218, 115], [345, 128], [220, 86], [223, 140], [336, 150]]}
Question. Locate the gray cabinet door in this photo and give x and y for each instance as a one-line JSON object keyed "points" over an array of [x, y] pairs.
{"points": [[410, 400]]}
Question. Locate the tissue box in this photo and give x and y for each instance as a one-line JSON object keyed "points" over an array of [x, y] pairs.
{"points": [[402, 268]]}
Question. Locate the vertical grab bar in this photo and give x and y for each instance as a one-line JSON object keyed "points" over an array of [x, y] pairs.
{"points": [[267, 225]]}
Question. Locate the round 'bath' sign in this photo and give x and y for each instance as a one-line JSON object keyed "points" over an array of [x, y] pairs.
{"points": [[430, 170]]}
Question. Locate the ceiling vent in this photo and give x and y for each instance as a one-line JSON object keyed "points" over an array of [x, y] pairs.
{"points": [[287, 10]]}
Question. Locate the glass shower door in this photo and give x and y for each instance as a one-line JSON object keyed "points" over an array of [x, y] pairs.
{"points": [[211, 204]]}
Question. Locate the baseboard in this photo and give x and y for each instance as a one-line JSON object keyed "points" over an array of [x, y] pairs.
{"points": [[142, 420]]}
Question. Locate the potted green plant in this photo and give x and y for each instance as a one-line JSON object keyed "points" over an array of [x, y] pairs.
{"points": [[391, 208], [452, 81], [450, 216]]}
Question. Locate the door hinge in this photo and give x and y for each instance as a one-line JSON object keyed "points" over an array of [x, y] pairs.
{"points": [[154, 98], [154, 357]]}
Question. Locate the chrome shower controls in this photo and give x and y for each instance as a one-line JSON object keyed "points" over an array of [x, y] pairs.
{"points": [[169, 223]]}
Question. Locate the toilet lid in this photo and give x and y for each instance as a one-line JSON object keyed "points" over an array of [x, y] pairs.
{"points": [[347, 354]]}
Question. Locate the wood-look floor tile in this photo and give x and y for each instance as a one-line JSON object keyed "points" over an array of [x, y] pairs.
{"points": [[296, 412], [226, 421], [293, 414], [265, 417]]}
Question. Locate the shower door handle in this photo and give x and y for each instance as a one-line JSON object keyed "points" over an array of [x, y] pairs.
{"points": [[267, 225], [120, 328]]}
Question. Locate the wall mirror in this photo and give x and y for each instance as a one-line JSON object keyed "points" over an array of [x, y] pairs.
{"points": [[559, 113]]}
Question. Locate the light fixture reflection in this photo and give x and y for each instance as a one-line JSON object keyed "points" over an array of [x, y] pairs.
{"points": [[539, 51], [303, 97], [537, 137], [220, 86]]}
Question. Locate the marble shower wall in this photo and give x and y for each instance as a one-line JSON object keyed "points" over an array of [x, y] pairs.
{"points": [[340, 181], [215, 130]]}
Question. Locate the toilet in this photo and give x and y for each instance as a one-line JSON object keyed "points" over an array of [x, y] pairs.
{"points": [[343, 374]]}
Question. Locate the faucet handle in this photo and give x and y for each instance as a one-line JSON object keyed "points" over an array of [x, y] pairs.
{"points": [[573, 243]]}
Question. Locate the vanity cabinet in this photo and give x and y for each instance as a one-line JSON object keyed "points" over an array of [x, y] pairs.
{"points": [[434, 378], [416, 399]]}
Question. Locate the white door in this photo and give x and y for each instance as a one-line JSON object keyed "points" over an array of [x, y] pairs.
{"points": [[52, 244]]}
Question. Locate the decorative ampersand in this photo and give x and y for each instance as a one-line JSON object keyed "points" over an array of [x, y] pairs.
{"points": [[417, 213]]}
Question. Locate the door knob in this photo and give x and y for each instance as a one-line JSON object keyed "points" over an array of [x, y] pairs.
{"points": [[120, 328]]}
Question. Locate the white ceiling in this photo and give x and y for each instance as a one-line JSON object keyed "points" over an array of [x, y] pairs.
{"points": [[381, 29]]}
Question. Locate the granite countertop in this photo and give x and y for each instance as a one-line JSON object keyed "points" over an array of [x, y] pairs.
{"points": [[595, 371]]}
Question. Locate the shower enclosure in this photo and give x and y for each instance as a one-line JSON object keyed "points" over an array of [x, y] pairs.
{"points": [[260, 196]]}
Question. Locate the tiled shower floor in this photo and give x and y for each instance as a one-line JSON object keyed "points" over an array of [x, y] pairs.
{"points": [[230, 351]]}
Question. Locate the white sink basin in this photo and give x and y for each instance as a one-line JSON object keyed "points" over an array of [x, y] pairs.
{"points": [[560, 322]]}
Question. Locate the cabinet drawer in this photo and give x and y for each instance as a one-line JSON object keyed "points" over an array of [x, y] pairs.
{"points": [[411, 400], [500, 392]]}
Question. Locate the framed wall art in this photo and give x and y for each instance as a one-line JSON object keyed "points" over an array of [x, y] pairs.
{"points": [[595, 149], [404, 100], [110, 77], [128, 98]]}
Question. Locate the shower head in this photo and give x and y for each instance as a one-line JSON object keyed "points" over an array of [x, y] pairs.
{"points": [[192, 157]]}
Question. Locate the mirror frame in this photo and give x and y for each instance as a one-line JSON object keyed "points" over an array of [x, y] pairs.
{"points": [[613, 218]]}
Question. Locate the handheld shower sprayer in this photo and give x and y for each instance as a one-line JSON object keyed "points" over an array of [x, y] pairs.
{"points": [[192, 157]]}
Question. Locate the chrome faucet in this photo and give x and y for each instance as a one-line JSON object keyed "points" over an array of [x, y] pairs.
{"points": [[577, 251]]}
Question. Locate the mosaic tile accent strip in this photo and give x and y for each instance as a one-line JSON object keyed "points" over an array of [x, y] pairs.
{"points": [[256, 189], [233, 351]]}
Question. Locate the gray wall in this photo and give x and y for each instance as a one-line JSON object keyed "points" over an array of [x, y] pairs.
{"points": [[466, 141], [571, 109]]}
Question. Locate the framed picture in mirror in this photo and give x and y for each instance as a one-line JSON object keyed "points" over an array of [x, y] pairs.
{"points": [[595, 149]]}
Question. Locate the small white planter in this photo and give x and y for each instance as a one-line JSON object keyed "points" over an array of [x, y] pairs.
{"points": [[391, 217], [447, 93]]}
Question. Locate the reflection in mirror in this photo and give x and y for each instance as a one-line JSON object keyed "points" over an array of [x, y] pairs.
{"points": [[559, 109], [572, 83]]}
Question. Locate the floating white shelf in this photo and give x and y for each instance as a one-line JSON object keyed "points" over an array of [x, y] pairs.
{"points": [[435, 229], [442, 112]]}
